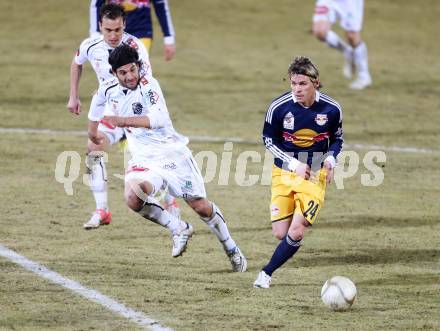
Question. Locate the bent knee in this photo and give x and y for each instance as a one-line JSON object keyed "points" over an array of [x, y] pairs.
{"points": [[297, 232], [353, 38], [296, 236], [201, 206], [280, 234], [320, 34], [133, 201], [320, 31]]}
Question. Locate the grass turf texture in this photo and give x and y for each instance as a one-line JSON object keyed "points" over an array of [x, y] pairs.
{"points": [[231, 60]]}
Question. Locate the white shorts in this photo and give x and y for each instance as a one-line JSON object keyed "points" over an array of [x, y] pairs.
{"points": [[177, 171], [114, 134], [348, 12]]}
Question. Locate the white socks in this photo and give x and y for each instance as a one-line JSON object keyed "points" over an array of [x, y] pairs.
{"points": [[361, 60], [218, 226], [168, 198], [359, 54], [97, 176], [334, 41], [154, 212]]}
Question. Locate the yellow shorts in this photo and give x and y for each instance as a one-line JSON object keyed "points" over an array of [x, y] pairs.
{"points": [[147, 43], [291, 194]]}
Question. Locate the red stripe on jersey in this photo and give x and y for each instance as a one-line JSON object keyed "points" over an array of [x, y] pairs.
{"points": [[107, 124], [136, 169]]}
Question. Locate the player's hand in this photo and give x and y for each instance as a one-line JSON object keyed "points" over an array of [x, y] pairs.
{"points": [[330, 171], [303, 170], [169, 51], [74, 106]]}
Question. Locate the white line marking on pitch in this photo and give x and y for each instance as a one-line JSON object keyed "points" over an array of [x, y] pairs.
{"points": [[211, 139], [137, 317]]}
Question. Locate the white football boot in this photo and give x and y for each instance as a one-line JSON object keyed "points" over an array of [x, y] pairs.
{"points": [[180, 240], [99, 217], [238, 261], [361, 82], [263, 280]]}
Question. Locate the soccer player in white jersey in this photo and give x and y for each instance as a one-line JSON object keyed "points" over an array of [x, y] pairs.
{"points": [[350, 16], [160, 156], [96, 50]]}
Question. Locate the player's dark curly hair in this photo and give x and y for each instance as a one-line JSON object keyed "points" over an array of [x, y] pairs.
{"points": [[122, 55], [302, 65], [112, 12]]}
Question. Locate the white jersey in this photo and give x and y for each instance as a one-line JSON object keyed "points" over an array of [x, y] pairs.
{"points": [[146, 100], [96, 51]]}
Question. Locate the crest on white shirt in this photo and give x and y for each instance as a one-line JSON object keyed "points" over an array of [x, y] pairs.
{"points": [[137, 108], [289, 121]]}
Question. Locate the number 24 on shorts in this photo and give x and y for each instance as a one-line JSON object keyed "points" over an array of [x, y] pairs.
{"points": [[311, 210]]}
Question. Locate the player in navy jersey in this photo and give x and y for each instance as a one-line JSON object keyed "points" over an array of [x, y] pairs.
{"points": [[303, 131], [139, 23]]}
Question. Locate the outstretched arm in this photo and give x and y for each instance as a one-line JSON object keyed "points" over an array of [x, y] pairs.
{"points": [[74, 104], [162, 10]]}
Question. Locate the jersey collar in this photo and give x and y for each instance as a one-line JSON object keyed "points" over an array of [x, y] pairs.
{"points": [[316, 97], [109, 48], [125, 90]]}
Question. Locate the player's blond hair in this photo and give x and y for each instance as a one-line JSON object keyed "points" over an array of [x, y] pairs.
{"points": [[302, 65]]}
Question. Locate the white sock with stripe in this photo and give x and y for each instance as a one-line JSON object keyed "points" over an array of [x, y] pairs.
{"points": [[153, 211], [218, 226], [334, 41], [97, 177], [361, 60]]}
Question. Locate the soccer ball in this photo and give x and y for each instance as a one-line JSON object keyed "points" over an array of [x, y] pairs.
{"points": [[338, 293]]}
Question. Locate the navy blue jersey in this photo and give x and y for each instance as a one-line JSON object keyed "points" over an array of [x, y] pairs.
{"points": [[307, 134], [139, 22]]}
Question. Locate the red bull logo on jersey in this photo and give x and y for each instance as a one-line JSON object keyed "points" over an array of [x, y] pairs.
{"points": [[321, 119], [305, 137]]}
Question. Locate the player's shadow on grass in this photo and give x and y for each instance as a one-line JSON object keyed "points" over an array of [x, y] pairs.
{"points": [[203, 230], [371, 256], [354, 222], [423, 279]]}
